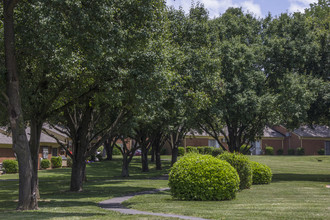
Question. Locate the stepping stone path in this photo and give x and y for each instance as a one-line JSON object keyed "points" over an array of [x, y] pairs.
{"points": [[114, 204]]}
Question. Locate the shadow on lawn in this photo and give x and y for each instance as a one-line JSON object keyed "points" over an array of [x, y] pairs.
{"points": [[48, 215], [301, 177]]}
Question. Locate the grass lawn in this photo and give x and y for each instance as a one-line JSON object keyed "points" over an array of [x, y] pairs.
{"points": [[297, 192], [104, 182]]}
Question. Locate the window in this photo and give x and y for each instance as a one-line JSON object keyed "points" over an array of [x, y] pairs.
{"points": [[45, 152], [54, 152]]}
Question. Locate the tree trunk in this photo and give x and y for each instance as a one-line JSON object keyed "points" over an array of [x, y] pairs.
{"points": [[20, 141], [34, 143], [175, 151], [124, 170], [144, 159], [158, 161], [152, 160], [77, 175]]}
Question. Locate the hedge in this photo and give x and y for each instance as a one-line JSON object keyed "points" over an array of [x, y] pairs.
{"points": [[269, 150], [262, 174], [242, 165], [10, 166], [56, 162], [45, 163], [203, 177]]}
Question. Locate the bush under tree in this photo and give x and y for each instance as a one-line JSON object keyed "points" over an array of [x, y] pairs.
{"points": [[203, 177], [242, 165], [45, 163], [56, 162]]}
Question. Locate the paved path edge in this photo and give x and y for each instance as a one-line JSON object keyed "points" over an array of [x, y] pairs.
{"points": [[115, 204]]}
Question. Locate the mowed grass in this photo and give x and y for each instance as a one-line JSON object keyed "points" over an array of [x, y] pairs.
{"points": [[104, 182], [298, 191]]}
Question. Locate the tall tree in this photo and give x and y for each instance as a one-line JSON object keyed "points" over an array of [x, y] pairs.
{"points": [[27, 197]]}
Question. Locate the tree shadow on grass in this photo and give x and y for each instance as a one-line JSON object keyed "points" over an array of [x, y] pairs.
{"points": [[301, 177], [47, 215]]}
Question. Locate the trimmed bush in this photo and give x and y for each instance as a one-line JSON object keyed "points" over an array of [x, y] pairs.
{"points": [[191, 149], [56, 162], [216, 152], [116, 151], [203, 177], [200, 150], [300, 151], [208, 150], [262, 174], [321, 151], [269, 150], [10, 166], [242, 165], [69, 161], [180, 151], [280, 151], [290, 151], [45, 163], [100, 149]]}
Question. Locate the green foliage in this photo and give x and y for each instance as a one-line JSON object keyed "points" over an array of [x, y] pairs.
{"points": [[269, 150], [200, 149], [262, 174], [192, 149], [291, 151], [100, 149], [300, 151], [280, 151], [163, 151], [69, 162], [45, 163], [10, 166], [216, 152], [242, 165], [321, 151], [116, 151], [208, 150], [245, 149], [180, 151], [203, 177], [56, 162]]}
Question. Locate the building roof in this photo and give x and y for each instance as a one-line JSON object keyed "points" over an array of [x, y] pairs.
{"points": [[314, 131], [268, 132]]}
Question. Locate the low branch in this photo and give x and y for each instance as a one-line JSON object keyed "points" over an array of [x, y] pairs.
{"points": [[59, 142]]}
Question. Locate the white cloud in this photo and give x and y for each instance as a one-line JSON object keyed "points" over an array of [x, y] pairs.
{"points": [[300, 5], [216, 7], [249, 6]]}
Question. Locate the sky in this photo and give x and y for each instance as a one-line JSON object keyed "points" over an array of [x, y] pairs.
{"points": [[259, 8]]}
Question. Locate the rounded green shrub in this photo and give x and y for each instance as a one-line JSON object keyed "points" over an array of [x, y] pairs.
{"points": [[300, 151], [245, 149], [45, 163], [208, 150], [191, 149], [216, 152], [10, 166], [116, 151], [290, 151], [200, 149], [203, 177], [269, 150], [280, 151], [321, 151], [56, 162], [242, 165], [180, 151], [262, 174]]}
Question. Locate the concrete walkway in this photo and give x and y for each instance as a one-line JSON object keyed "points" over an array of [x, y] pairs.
{"points": [[114, 204]]}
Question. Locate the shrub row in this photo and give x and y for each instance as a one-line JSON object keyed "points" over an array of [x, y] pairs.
{"points": [[10, 166], [203, 177], [291, 151]]}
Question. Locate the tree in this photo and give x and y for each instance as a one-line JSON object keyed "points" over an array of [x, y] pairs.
{"points": [[15, 111]]}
